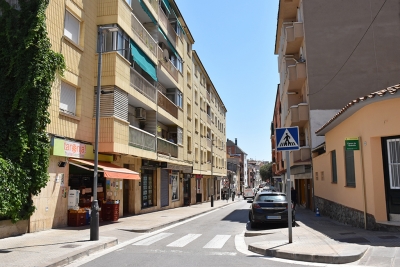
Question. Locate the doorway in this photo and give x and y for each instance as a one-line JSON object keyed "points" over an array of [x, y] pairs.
{"points": [[391, 166]]}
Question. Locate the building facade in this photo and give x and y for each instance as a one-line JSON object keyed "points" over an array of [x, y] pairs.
{"points": [[358, 183], [320, 73], [162, 123]]}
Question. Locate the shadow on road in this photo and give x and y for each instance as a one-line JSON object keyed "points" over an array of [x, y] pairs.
{"points": [[241, 216]]}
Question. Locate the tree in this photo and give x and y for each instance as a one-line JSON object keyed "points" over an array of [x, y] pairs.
{"points": [[266, 171], [28, 68]]}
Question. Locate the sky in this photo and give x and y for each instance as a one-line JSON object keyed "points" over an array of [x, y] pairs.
{"points": [[235, 41]]}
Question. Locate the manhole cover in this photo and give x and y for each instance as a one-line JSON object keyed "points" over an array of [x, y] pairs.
{"points": [[354, 240], [348, 233], [388, 237], [5, 251], [70, 246]]}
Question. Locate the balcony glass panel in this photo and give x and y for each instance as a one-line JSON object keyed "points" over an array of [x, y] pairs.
{"points": [[143, 35], [167, 148], [141, 139]]}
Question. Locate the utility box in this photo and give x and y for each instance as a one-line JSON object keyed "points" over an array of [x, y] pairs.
{"points": [[73, 199]]}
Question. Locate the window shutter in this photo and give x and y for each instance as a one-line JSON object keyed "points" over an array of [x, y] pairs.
{"points": [[68, 99], [180, 136], [71, 27], [120, 104]]}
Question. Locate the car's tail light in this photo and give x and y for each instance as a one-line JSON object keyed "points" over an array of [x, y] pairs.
{"points": [[256, 206]]}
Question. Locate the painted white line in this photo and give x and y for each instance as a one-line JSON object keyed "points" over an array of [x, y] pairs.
{"points": [[183, 241], [98, 254], [152, 239], [218, 241], [222, 253]]}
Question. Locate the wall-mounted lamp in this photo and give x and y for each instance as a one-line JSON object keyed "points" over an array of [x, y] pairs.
{"points": [[292, 93], [62, 164]]}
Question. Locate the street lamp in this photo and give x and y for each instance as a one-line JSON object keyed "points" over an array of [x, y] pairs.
{"points": [[94, 214]]}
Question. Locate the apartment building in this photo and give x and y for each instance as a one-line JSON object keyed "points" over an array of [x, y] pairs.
{"points": [[234, 151], [329, 53], [161, 121]]}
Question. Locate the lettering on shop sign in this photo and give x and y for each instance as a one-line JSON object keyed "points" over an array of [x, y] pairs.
{"points": [[73, 149]]}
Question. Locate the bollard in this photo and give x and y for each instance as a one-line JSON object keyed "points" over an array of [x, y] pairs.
{"points": [[212, 200]]}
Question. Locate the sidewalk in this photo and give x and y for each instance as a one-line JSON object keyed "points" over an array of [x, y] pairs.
{"points": [[315, 239], [57, 247], [322, 240]]}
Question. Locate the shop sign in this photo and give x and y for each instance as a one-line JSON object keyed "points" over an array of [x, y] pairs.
{"points": [[67, 148], [184, 169], [352, 143], [199, 176]]}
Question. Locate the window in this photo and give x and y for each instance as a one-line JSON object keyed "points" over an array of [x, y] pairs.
{"points": [[189, 144], [189, 111], [179, 98], [71, 27], [189, 79], [68, 99], [334, 168], [180, 136], [188, 48], [196, 125], [316, 176], [196, 154], [175, 185], [350, 171], [196, 96]]}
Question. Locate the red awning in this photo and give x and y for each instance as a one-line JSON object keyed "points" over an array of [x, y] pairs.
{"points": [[110, 170]]}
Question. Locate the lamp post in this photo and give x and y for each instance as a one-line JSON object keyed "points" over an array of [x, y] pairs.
{"points": [[94, 214]]}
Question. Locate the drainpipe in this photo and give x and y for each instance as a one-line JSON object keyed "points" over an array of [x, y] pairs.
{"points": [[363, 180]]}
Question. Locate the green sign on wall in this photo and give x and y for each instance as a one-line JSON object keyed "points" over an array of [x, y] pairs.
{"points": [[352, 143]]}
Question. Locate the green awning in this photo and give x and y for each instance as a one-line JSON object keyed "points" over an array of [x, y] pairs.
{"points": [[143, 61], [148, 12], [167, 5], [169, 43]]}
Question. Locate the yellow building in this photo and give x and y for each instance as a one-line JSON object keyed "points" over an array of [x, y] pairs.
{"points": [[162, 122], [356, 170]]}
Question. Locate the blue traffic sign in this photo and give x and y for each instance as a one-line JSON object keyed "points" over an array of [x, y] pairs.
{"points": [[287, 138]]}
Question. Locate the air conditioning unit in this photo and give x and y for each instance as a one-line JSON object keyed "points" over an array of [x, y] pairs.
{"points": [[140, 113]]}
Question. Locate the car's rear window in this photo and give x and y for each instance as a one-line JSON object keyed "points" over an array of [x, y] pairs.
{"points": [[270, 198]]}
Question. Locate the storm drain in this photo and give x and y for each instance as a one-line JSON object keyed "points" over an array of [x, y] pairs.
{"points": [[70, 246], [348, 233], [354, 240], [388, 237]]}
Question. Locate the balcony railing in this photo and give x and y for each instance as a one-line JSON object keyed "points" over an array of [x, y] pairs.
{"points": [[167, 105], [173, 37], [208, 142], [143, 86], [208, 96], [209, 119], [167, 148], [143, 35], [298, 115], [154, 4], [301, 156], [172, 70], [141, 139], [291, 37], [295, 76]]}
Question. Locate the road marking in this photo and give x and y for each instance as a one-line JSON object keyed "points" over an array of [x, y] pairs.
{"points": [[183, 241], [152, 239], [217, 242]]}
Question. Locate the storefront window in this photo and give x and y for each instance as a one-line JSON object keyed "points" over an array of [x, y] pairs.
{"points": [[175, 186], [147, 189]]}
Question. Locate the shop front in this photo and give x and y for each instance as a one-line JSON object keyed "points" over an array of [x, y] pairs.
{"points": [[109, 190]]}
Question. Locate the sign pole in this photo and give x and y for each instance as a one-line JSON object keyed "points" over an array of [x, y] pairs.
{"points": [[289, 196]]}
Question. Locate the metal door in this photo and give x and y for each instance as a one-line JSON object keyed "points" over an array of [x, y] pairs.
{"points": [[164, 188], [391, 157]]}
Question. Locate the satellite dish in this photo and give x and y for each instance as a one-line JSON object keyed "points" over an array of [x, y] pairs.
{"points": [[166, 54]]}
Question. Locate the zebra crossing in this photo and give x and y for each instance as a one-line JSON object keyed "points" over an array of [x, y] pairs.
{"points": [[217, 242]]}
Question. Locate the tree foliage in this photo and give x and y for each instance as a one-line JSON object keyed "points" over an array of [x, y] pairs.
{"points": [[266, 171], [28, 68]]}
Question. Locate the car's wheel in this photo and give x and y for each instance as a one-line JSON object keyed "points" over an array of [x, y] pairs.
{"points": [[252, 223]]}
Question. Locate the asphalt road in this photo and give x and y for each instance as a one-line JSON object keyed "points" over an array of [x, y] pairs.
{"points": [[212, 239]]}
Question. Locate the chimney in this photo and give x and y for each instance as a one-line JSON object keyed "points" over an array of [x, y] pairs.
{"points": [[235, 141]]}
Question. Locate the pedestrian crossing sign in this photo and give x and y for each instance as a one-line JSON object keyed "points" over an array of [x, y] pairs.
{"points": [[287, 138]]}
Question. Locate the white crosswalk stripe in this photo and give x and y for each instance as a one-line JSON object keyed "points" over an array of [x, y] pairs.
{"points": [[217, 242], [183, 241], [152, 239]]}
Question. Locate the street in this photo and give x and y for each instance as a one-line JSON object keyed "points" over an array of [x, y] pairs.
{"points": [[210, 240]]}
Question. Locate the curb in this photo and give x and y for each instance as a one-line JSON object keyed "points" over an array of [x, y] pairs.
{"points": [[72, 256], [307, 257]]}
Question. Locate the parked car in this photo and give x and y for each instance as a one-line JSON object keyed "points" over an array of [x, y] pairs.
{"points": [[269, 207], [248, 193]]}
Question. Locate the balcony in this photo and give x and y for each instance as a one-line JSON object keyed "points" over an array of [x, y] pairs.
{"points": [[166, 104], [142, 85], [167, 148], [171, 34], [301, 156], [154, 4], [291, 38], [295, 76], [141, 139], [168, 65], [298, 115], [143, 35], [208, 142], [209, 119]]}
